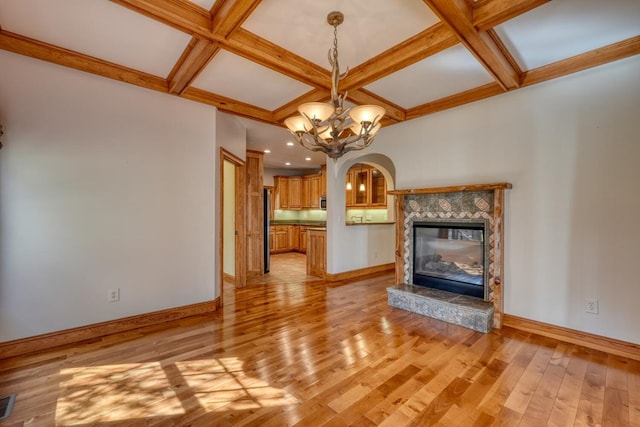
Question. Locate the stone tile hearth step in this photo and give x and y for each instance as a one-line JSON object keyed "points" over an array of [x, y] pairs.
{"points": [[462, 310]]}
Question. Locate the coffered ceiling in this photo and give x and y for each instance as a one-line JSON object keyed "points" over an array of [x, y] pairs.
{"points": [[261, 59]]}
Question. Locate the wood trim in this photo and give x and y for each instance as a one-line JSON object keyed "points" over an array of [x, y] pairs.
{"points": [[193, 60], [345, 275], [452, 189], [495, 12], [229, 105], [399, 264], [593, 58], [183, 15], [94, 331], [46, 52], [363, 97], [229, 278], [498, 256], [585, 339], [230, 14], [459, 17], [456, 100], [433, 40]]}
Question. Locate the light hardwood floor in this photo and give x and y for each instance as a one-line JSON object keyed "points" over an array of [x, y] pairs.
{"points": [[294, 350]]}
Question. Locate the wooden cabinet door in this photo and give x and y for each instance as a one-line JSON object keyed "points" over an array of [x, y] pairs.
{"points": [[281, 239], [294, 237], [378, 188], [295, 184], [316, 253], [281, 192], [303, 239], [304, 192], [323, 180], [314, 192], [361, 186], [349, 185]]}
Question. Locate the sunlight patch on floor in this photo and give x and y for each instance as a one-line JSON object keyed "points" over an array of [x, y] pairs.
{"points": [[223, 384], [111, 393], [115, 393]]}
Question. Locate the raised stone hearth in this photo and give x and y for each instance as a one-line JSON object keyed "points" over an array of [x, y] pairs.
{"points": [[470, 312], [475, 203]]}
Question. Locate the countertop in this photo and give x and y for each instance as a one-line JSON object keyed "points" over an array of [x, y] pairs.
{"points": [[370, 223], [299, 222]]}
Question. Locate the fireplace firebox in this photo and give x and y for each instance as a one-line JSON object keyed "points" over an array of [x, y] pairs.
{"points": [[451, 256]]}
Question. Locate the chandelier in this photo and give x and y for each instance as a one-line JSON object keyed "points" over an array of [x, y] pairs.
{"points": [[329, 127]]}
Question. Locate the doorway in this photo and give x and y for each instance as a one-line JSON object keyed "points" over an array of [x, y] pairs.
{"points": [[231, 232]]}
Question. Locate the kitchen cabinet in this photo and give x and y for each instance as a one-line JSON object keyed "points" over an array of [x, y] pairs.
{"points": [[278, 238], [368, 187], [299, 192], [295, 189], [293, 234], [281, 190], [304, 193], [314, 192], [316, 252], [302, 246]]}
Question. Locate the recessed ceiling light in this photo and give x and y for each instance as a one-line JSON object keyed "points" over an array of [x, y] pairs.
{"points": [[288, 164], [290, 144], [267, 151], [308, 159]]}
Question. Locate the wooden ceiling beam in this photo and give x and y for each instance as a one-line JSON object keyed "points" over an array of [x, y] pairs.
{"points": [[495, 12], [458, 15], [429, 42], [229, 105], [193, 60], [362, 97], [46, 52], [228, 15], [456, 100], [180, 14], [270, 55], [593, 58], [291, 108]]}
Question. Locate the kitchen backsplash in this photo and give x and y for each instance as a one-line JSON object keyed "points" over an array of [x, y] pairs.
{"points": [[306, 214]]}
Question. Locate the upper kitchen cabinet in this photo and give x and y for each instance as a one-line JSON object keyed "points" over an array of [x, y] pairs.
{"points": [[365, 187]]}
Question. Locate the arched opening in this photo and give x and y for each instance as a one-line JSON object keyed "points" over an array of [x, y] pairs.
{"points": [[367, 179]]}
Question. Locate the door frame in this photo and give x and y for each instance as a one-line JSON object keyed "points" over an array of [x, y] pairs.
{"points": [[240, 240]]}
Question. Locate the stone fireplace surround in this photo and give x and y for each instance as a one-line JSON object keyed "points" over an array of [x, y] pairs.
{"points": [[483, 202]]}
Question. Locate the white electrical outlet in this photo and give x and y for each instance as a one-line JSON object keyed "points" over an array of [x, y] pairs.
{"points": [[113, 295], [591, 306]]}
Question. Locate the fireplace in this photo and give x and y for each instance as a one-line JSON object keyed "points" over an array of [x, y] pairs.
{"points": [[451, 239], [451, 256]]}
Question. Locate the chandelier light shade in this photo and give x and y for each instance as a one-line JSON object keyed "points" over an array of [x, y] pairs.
{"points": [[329, 127]]}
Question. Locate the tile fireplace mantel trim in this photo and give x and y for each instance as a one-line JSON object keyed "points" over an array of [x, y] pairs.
{"points": [[497, 219]]}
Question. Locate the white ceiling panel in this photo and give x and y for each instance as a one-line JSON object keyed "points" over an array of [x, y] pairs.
{"points": [[206, 4], [97, 28], [235, 77], [262, 136], [561, 29], [449, 72], [370, 27]]}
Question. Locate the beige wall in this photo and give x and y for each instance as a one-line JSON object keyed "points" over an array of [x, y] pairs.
{"points": [[571, 148], [102, 185], [229, 256]]}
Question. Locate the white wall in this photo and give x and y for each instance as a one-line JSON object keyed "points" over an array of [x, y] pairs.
{"points": [[354, 247], [571, 148], [102, 185]]}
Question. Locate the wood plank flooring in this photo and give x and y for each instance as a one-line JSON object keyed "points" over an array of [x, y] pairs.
{"points": [[293, 350]]}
